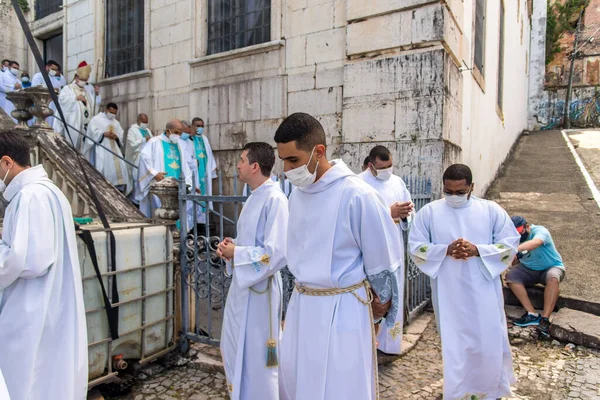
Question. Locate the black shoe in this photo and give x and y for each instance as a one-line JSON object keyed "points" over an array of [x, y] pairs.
{"points": [[544, 328], [527, 320]]}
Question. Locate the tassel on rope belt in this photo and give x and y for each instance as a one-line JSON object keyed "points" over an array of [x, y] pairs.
{"points": [[272, 360], [367, 302]]}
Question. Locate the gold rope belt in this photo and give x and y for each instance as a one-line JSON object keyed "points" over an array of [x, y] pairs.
{"points": [[352, 289], [335, 291]]}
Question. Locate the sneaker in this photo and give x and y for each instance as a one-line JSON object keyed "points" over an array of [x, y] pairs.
{"points": [[528, 320], [544, 327]]}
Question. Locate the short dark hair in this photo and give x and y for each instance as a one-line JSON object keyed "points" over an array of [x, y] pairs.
{"points": [[197, 119], [458, 172], [51, 63], [112, 105], [13, 63], [15, 146], [380, 152], [304, 129], [367, 161], [263, 154], [5, 60]]}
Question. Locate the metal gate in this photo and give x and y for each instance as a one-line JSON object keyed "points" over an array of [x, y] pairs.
{"points": [[204, 282]]}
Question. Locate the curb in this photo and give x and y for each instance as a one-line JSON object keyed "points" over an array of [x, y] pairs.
{"points": [[207, 358], [536, 295]]}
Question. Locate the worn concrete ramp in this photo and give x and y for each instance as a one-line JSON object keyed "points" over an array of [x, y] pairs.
{"points": [[542, 182], [576, 327]]}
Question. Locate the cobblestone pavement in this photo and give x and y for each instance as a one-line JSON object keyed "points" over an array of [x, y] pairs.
{"points": [[545, 371]]}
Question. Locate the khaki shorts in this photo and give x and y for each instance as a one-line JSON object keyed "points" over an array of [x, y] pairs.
{"points": [[529, 277]]}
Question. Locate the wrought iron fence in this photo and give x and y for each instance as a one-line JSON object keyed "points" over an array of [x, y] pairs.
{"points": [[43, 8], [205, 283]]}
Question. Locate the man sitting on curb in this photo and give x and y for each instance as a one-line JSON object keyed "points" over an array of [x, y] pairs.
{"points": [[539, 263]]}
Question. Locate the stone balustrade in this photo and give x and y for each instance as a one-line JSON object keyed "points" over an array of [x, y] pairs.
{"points": [[29, 103]]}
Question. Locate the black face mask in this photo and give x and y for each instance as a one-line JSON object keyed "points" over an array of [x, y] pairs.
{"points": [[524, 236]]}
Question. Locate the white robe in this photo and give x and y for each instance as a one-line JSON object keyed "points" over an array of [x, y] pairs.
{"points": [[339, 233], [152, 161], [3, 389], [467, 295], [392, 190], [113, 168], [7, 85], [43, 332], [75, 115], [211, 173], [135, 144], [259, 254]]}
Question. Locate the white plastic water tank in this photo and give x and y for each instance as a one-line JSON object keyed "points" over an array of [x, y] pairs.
{"points": [[144, 271]]}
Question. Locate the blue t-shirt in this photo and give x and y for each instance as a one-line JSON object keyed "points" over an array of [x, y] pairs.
{"points": [[545, 256]]}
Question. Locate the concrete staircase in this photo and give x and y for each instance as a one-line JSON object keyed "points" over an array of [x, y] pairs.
{"points": [[542, 182]]}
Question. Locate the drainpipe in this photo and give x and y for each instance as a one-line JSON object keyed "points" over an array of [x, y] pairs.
{"points": [[567, 115]]}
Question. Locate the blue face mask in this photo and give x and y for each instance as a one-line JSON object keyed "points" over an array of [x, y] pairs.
{"points": [[185, 136], [199, 130]]}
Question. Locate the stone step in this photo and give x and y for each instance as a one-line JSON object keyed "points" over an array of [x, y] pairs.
{"points": [[576, 327], [536, 295]]}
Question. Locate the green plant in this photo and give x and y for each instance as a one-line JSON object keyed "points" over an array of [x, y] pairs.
{"points": [[24, 4], [560, 21]]}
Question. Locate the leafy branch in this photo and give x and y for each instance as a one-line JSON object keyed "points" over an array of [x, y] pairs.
{"points": [[24, 4], [561, 18]]}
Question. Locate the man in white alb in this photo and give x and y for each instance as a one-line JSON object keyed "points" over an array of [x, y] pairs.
{"points": [[161, 158], [43, 332], [137, 137], [464, 243], [106, 130], [10, 81], [58, 82], [342, 242], [251, 324], [380, 176]]}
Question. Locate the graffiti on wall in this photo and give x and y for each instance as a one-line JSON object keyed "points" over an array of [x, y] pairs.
{"points": [[584, 110]]}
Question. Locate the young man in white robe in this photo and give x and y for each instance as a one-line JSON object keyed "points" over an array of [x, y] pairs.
{"points": [[78, 107], [380, 176], [251, 323], [106, 130], [464, 243], [43, 332], [161, 158], [57, 80], [137, 137], [9, 82], [342, 242]]}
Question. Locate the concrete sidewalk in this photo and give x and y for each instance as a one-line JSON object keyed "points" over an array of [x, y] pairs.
{"points": [[542, 182]]}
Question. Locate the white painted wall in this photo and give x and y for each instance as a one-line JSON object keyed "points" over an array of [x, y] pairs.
{"points": [[486, 137], [537, 62]]}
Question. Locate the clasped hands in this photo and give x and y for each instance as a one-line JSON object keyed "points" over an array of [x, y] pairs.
{"points": [[225, 249], [462, 249], [111, 135]]}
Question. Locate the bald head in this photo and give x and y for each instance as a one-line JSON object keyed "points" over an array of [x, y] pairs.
{"points": [[142, 119], [174, 126]]}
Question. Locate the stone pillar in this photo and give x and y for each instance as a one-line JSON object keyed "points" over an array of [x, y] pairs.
{"points": [[167, 191], [22, 103]]}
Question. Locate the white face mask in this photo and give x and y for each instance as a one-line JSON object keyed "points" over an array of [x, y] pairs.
{"points": [[457, 201], [14, 71], [144, 126], [3, 183], [111, 116], [174, 138], [81, 84], [301, 176], [52, 72], [384, 174]]}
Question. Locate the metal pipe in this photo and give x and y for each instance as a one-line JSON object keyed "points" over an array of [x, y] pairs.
{"points": [[122, 303], [141, 267], [567, 114], [118, 363]]}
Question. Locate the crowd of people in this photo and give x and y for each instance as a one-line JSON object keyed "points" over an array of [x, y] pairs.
{"points": [[340, 234], [130, 161]]}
